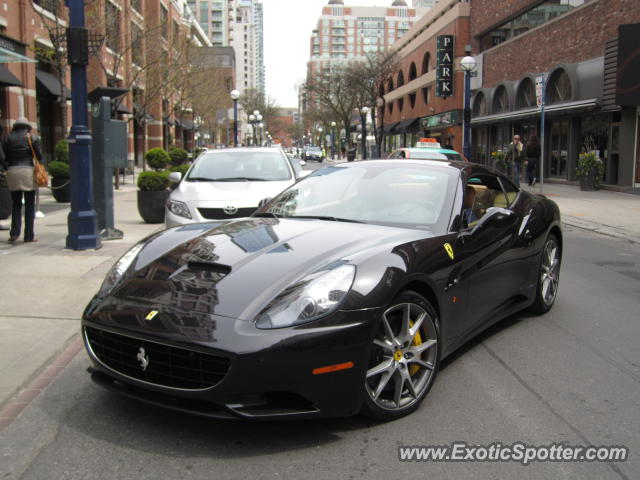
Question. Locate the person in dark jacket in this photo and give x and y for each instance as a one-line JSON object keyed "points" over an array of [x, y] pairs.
{"points": [[16, 156], [515, 158], [351, 153], [533, 157], [2, 227]]}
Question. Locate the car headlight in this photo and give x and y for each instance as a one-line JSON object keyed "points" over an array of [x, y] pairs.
{"points": [[314, 296], [117, 272], [178, 208]]}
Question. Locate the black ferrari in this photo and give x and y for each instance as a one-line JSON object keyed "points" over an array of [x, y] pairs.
{"points": [[340, 295]]}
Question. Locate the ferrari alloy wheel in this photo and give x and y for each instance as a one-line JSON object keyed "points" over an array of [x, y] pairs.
{"points": [[549, 276], [404, 358]]}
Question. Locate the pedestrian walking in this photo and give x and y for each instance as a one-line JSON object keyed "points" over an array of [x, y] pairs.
{"points": [[515, 157], [17, 153], [533, 158], [351, 153], [2, 174]]}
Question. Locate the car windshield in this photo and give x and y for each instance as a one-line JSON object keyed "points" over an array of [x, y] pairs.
{"points": [[313, 149], [453, 156], [427, 155], [240, 166], [415, 196]]}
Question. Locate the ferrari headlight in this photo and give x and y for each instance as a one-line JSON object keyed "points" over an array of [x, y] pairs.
{"points": [[178, 208], [117, 272], [314, 296]]}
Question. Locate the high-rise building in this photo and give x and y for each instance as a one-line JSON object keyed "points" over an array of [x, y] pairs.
{"points": [[248, 43], [216, 19], [424, 3], [344, 33]]}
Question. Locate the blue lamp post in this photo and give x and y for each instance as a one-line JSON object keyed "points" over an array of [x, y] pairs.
{"points": [[468, 64], [333, 140], [82, 219]]}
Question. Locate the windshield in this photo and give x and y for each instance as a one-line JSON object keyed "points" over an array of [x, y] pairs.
{"points": [[313, 149], [240, 166], [416, 196], [427, 155]]}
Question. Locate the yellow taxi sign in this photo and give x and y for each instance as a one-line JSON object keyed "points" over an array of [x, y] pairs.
{"points": [[428, 143]]}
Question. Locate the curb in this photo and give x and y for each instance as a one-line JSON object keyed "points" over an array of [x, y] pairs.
{"points": [[31, 389], [601, 229]]}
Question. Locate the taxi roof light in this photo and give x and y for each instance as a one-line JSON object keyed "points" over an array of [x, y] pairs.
{"points": [[427, 143]]}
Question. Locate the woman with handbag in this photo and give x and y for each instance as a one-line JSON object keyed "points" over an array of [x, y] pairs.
{"points": [[20, 154]]}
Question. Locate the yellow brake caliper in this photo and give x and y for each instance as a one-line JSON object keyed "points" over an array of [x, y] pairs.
{"points": [[417, 340]]}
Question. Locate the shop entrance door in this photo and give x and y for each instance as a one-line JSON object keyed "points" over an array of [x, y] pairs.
{"points": [[559, 147], [637, 179]]}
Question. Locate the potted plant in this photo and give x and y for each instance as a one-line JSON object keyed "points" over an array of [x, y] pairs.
{"points": [[59, 172], [5, 198], [499, 163], [589, 170], [153, 187], [178, 156]]}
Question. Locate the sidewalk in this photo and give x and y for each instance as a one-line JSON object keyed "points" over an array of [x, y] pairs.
{"points": [[610, 213], [45, 287]]}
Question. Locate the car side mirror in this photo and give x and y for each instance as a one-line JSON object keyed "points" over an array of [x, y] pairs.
{"points": [[264, 201], [175, 177]]}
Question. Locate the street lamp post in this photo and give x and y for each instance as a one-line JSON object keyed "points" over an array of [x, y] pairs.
{"points": [[260, 129], [364, 111], [82, 219], [235, 95], [333, 140], [320, 137], [468, 64]]}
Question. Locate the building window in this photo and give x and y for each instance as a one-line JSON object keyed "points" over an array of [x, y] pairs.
{"points": [[400, 80], [137, 5], [425, 62], [526, 96], [413, 72], [479, 106], [559, 88], [112, 26], [137, 47], [390, 86], [164, 21], [426, 95], [539, 15], [400, 104], [412, 99], [501, 100]]}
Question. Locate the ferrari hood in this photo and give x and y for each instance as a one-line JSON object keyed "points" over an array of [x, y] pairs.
{"points": [[235, 268]]}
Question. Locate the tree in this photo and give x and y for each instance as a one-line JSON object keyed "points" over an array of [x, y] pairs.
{"points": [[366, 80], [330, 90]]}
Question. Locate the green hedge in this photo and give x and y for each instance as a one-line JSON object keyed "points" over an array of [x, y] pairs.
{"points": [[180, 168], [61, 151], [153, 181], [157, 158], [58, 169], [178, 156]]}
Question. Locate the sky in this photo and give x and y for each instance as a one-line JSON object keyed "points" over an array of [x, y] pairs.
{"points": [[287, 29]]}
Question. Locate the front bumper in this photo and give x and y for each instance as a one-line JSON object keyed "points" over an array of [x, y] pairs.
{"points": [[271, 371]]}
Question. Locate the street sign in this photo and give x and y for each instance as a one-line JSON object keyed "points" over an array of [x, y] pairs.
{"points": [[539, 89], [444, 66]]}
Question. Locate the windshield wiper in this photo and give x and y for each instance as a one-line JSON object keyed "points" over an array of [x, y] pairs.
{"points": [[200, 179], [325, 217], [227, 179]]}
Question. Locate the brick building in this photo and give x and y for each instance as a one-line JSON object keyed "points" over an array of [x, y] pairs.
{"points": [[412, 108], [572, 46], [136, 33]]}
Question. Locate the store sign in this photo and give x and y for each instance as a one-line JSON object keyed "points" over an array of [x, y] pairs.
{"points": [[447, 119], [444, 66], [628, 83]]}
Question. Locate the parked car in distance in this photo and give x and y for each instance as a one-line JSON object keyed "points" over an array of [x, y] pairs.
{"points": [[313, 153], [427, 149]]}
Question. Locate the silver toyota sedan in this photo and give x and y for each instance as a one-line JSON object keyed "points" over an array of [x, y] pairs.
{"points": [[229, 183]]}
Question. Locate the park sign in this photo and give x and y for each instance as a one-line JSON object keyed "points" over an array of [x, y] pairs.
{"points": [[444, 66]]}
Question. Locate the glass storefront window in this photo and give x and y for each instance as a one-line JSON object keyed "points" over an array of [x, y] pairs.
{"points": [[526, 96], [559, 88], [560, 130]]}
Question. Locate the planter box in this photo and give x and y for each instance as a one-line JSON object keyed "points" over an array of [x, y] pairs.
{"points": [[588, 183], [5, 203], [151, 205], [61, 189]]}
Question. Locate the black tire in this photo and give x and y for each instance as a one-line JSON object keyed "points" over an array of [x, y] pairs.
{"points": [[542, 303], [429, 328]]}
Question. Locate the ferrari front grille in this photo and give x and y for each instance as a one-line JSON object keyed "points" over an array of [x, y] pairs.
{"points": [[156, 363]]}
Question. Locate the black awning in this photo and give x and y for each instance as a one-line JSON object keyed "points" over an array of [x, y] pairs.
{"points": [[51, 85], [8, 79], [389, 127], [406, 125], [112, 92]]}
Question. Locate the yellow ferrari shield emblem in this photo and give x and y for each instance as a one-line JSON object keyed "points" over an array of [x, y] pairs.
{"points": [[151, 315], [449, 250]]}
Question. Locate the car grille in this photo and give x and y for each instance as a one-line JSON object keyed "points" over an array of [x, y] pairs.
{"points": [[168, 366], [219, 213]]}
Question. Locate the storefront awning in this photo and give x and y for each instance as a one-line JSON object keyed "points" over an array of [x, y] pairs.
{"points": [[406, 125], [51, 85], [556, 109], [9, 56], [389, 127], [8, 79]]}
